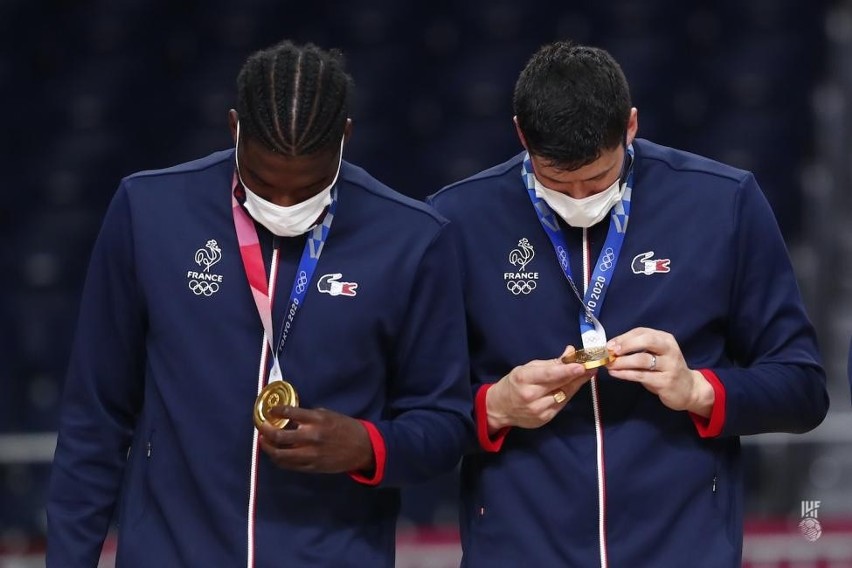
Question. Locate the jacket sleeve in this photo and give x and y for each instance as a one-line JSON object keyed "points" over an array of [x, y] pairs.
{"points": [[482, 440], [428, 425], [102, 395], [779, 383]]}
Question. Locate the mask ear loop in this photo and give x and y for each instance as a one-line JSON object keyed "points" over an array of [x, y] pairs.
{"points": [[339, 161], [237, 156], [627, 165]]}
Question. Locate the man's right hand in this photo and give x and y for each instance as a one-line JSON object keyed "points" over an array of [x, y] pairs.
{"points": [[532, 394]]}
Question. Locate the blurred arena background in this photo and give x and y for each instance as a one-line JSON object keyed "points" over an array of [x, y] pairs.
{"points": [[93, 90]]}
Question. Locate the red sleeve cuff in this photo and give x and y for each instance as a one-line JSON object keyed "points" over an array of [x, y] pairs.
{"points": [[711, 427], [488, 443], [380, 454]]}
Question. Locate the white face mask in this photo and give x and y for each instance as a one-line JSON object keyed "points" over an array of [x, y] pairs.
{"points": [[293, 220], [581, 212]]}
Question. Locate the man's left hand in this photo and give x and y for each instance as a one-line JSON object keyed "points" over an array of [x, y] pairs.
{"points": [[317, 441], [654, 359]]}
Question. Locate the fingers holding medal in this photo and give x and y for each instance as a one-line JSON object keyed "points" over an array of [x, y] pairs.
{"points": [[277, 393]]}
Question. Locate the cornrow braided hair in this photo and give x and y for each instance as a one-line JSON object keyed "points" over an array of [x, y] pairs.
{"points": [[294, 99]]}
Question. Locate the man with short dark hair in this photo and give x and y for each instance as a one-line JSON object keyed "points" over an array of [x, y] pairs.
{"points": [[275, 284], [667, 278]]}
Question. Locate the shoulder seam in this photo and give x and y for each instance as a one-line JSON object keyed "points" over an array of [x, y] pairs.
{"points": [[427, 209], [471, 179], [739, 179], [172, 170]]}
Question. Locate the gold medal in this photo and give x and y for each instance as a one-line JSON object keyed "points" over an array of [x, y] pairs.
{"points": [[591, 358], [276, 393]]}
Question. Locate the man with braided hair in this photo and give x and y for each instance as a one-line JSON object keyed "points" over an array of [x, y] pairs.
{"points": [[251, 381]]}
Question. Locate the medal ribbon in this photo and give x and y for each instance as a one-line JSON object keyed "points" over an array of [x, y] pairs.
{"points": [[256, 273], [591, 330]]}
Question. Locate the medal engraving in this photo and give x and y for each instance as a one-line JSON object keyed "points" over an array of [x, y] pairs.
{"points": [[590, 358]]}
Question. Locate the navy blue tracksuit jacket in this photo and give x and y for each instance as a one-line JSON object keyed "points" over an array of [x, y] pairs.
{"points": [[166, 365], [617, 479]]}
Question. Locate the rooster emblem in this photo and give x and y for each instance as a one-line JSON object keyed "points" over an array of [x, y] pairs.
{"points": [[208, 256], [522, 255]]}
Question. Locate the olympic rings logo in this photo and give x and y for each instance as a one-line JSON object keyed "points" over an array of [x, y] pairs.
{"points": [[517, 287], [563, 256], [606, 261], [301, 282], [202, 288]]}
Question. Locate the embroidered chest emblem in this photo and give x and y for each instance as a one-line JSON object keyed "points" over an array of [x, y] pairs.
{"points": [[205, 283], [643, 263], [330, 284], [521, 281]]}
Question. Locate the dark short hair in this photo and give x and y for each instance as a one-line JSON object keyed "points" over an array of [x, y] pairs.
{"points": [[572, 102], [294, 99]]}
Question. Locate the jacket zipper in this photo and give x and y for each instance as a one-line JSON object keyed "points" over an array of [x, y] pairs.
{"points": [[261, 375], [598, 424]]}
